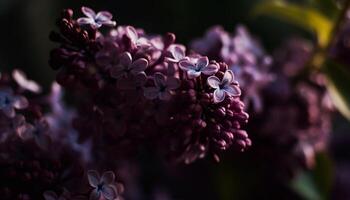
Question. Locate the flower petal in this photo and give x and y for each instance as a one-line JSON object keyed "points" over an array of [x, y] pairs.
{"points": [[125, 59], [202, 62], [228, 78], [109, 192], [88, 12], [85, 20], [213, 82], [172, 83], [132, 34], [20, 102], [219, 95], [108, 177], [9, 111], [95, 195], [139, 65], [232, 90], [117, 71], [178, 53], [193, 74], [104, 16], [210, 69], [187, 65], [94, 178], [151, 92], [159, 79]]}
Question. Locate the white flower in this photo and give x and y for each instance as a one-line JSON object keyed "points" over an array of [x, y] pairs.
{"points": [[196, 66], [96, 20]]}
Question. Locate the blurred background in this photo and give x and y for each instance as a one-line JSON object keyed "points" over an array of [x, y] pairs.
{"points": [[24, 44]]}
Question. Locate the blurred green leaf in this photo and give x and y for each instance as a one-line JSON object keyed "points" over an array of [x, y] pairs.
{"points": [[323, 174], [338, 86], [305, 186], [305, 17]]}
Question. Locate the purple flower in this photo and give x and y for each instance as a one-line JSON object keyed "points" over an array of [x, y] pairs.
{"points": [[177, 53], [96, 20], [136, 40], [127, 66], [196, 66], [226, 86], [39, 132], [10, 102], [50, 195], [102, 185], [163, 87]]}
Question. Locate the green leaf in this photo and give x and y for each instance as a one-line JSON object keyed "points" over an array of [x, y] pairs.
{"points": [[338, 77], [305, 17], [305, 186]]}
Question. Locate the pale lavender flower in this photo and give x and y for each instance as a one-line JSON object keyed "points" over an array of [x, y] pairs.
{"points": [[24, 83], [9, 102], [136, 40], [127, 66], [103, 186], [96, 20], [10, 126], [196, 66], [163, 87], [227, 86], [177, 52]]}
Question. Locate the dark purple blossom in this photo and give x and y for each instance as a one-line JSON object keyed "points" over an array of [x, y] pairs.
{"points": [[9, 102], [127, 66], [103, 186], [163, 87]]}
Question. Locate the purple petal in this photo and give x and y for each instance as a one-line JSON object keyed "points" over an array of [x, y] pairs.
{"points": [[202, 62], [151, 92], [219, 95], [94, 178], [9, 111], [95, 195], [165, 95], [213, 82], [132, 34], [109, 192], [110, 23], [172, 83], [20, 102], [139, 65], [88, 12], [108, 177], [159, 79], [24, 83], [178, 53], [25, 132], [210, 69], [193, 74], [125, 59], [85, 20], [187, 65], [228, 77], [140, 79], [232, 90], [104, 16]]}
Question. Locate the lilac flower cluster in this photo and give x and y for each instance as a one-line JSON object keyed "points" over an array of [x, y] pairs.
{"points": [[244, 56], [137, 87], [35, 162]]}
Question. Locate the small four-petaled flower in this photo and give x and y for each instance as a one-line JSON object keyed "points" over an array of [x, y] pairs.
{"points": [[127, 66], [163, 87], [196, 66], [9, 102], [227, 86], [96, 20], [103, 186]]}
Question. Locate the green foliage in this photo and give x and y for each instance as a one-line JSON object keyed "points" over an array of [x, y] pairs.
{"points": [[305, 17]]}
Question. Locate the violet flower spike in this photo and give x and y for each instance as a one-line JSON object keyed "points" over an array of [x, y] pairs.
{"points": [[196, 66], [127, 66], [102, 185], [227, 86], [96, 20], [10, 102], [163, 87]]}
